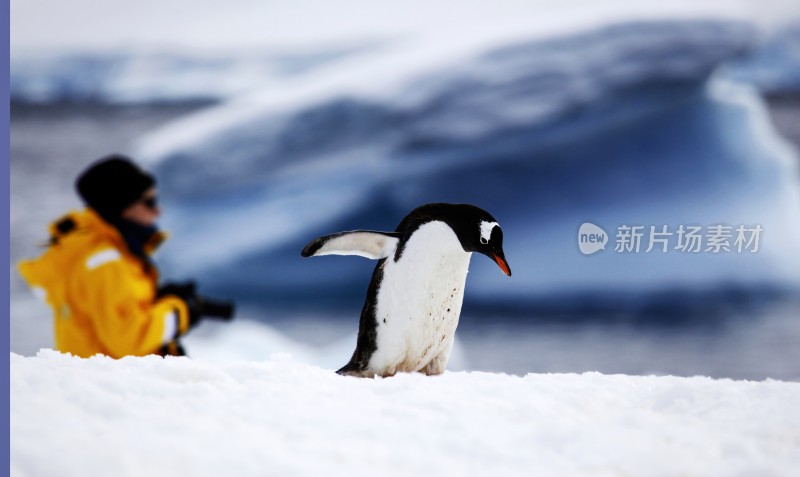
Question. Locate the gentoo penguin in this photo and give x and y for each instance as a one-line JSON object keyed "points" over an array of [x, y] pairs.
{"points": [[414, 299]]}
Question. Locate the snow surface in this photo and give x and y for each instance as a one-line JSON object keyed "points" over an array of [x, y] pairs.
{"points": [[177, 416]]}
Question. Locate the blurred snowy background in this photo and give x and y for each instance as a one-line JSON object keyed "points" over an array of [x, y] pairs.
{"points": [[270, 123]]}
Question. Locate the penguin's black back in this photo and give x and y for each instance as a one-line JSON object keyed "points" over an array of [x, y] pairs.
{"points": [[367, 341]]}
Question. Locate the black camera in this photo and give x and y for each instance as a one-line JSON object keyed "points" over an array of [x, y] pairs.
{"points": [[217, 309]]}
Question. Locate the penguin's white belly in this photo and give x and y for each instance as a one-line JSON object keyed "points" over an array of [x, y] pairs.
{"points": [[419, 302]]}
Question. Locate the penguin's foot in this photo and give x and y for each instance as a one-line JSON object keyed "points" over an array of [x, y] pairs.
{"points": [[435, 367], [350, 370]]}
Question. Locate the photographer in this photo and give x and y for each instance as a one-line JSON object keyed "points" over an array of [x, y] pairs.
{"points": [[99, 279]]}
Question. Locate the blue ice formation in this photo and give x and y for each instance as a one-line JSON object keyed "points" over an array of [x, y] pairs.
{"points": [[626, 124]]}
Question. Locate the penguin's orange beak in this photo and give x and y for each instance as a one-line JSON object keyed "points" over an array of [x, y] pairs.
{"points": [[501, 262]]}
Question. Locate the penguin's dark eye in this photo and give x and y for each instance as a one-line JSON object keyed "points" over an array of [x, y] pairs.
{"points": [[484, 240]]}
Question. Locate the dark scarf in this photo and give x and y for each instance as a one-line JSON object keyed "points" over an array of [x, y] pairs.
{"points": [[135, 235]]}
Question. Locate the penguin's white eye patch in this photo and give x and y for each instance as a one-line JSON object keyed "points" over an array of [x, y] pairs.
{"points": [[486, 231]]}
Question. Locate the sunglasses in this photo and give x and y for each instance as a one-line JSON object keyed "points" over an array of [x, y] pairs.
{"points": [[150, 202]]}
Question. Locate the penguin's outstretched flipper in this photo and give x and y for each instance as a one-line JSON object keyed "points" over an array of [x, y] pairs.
{"points": [[364, 243]]}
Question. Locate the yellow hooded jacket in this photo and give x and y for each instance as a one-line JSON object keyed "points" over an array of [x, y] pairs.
{"points": [[103, 297]]}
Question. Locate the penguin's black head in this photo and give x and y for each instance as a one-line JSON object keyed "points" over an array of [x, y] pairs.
{"points": [[475, 228], [485, 237]]}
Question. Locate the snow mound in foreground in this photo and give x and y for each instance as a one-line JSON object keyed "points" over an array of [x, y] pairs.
{"points": [[176, 416]]}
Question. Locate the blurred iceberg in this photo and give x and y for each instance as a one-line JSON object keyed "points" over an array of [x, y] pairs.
{"points": [[624, 123], [775, 68], [548, 114], [135, 77]]}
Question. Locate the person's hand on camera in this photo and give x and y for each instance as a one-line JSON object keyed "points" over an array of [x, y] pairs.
{"points": [[187, 292], [183, 290]]}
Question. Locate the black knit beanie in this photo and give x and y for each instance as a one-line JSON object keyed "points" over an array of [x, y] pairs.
{"points": [[113, 183]]}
